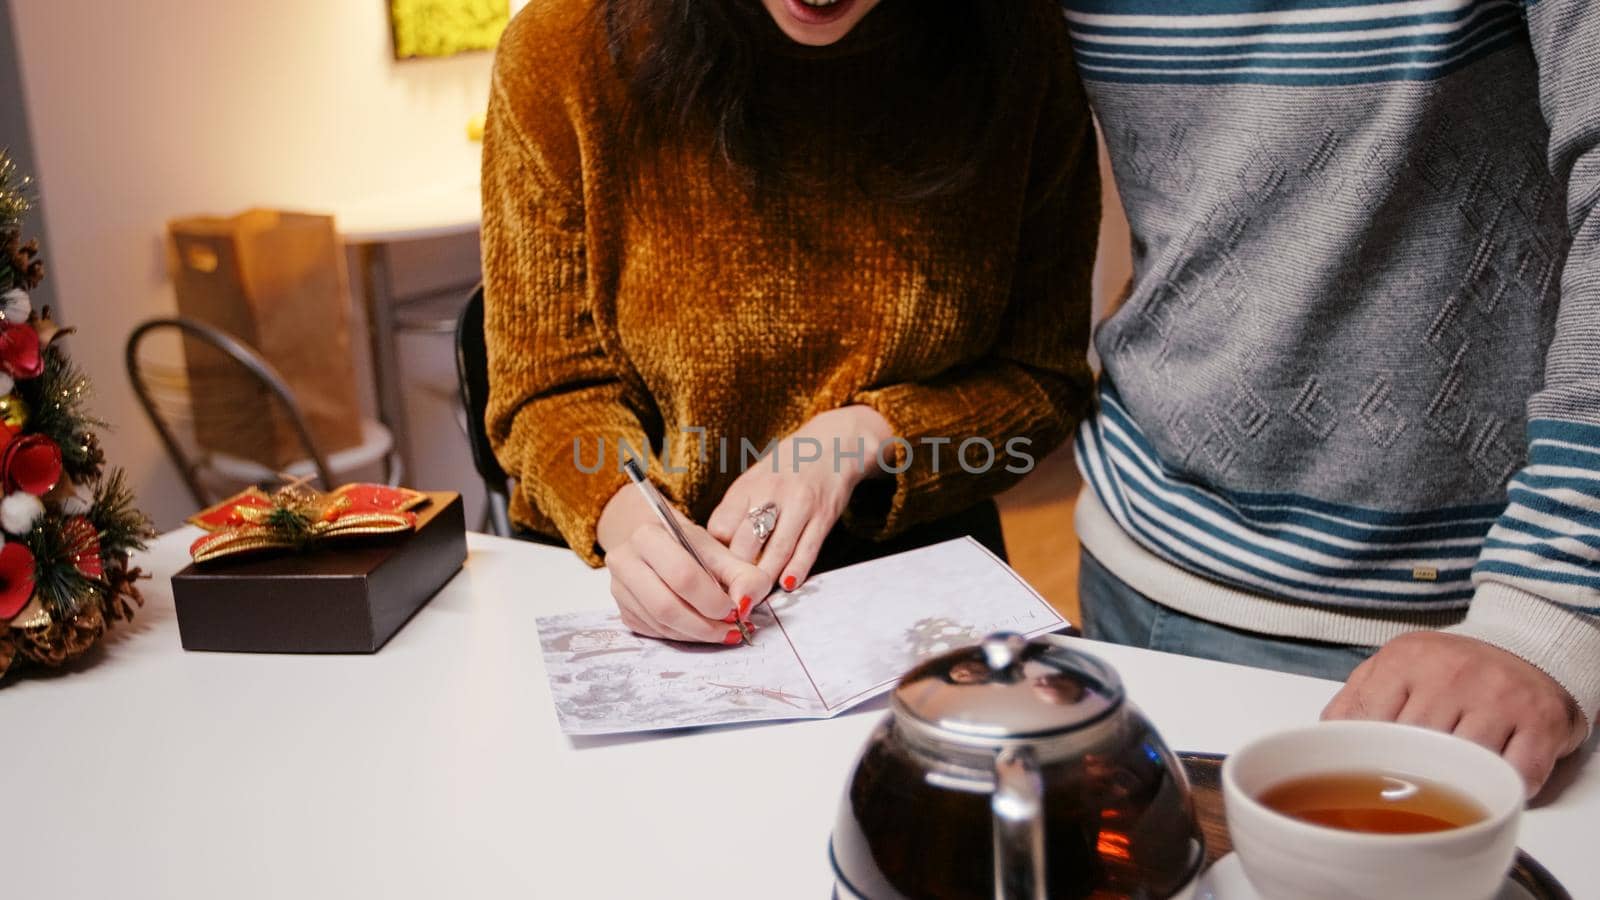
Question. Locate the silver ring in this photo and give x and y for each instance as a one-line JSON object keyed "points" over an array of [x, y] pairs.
{"points": [[763, 519]]}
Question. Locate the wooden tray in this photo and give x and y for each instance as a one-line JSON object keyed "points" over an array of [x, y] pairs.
{"points": [[1205, 776]]}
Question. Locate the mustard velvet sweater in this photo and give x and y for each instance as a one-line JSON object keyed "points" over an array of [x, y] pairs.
{"points": [[621, 315]]}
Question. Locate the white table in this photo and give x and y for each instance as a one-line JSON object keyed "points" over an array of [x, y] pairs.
{"points": [[435, 768], [443, 209]]}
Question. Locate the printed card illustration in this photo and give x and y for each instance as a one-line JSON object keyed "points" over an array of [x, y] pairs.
{"points": [[844, 637]]}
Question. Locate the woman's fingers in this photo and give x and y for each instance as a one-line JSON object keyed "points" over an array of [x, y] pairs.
{"points": [[658, 606], [793, 517], [627, 569], [805, 553], [628, 608], [745, 581], [682, 573], [743, 542], [726, 518]]}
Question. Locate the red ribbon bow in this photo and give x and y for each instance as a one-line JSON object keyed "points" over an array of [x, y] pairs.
{"points": [[296, 517]]}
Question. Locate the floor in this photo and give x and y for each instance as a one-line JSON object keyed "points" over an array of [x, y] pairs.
{"points": [[1036, 516]]}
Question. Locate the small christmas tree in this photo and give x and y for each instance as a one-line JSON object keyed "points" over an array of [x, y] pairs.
{"points": [[68, 523]]}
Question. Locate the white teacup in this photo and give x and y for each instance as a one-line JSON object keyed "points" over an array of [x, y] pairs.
{"points": [[1289, 859]]}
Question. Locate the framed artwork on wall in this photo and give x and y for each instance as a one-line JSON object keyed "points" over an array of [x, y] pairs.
{"points": [[435, 28]]}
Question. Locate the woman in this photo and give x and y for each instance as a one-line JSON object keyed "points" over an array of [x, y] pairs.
{"points": [[863, 229]]}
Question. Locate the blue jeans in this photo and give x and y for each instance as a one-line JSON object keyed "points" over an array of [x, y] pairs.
{"points": [[1115, 612]]}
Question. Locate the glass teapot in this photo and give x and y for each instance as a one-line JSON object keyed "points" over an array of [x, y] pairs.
{"points": [[1016, 769]]}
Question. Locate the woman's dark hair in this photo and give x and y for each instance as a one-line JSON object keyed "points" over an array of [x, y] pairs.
{"points": [[915, 111]]}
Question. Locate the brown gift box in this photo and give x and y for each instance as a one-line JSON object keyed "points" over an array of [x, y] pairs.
{"points": [[347, 596]]}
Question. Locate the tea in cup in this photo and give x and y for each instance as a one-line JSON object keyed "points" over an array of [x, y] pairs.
{"points": [[1372, 811]]}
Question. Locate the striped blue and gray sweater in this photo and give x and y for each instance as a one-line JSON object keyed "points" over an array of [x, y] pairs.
{"points": [[1355, 388]]}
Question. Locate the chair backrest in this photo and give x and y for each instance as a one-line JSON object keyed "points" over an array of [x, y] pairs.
{"points": [[472, 368], [165, 390]]}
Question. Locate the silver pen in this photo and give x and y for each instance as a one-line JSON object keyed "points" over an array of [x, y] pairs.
{"points": [[664, 512]]}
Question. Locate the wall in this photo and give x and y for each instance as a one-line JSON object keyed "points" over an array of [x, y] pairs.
{"points": [[145, 110]]}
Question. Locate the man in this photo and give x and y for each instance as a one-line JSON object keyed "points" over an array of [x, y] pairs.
{"points": [[1353, 399]]}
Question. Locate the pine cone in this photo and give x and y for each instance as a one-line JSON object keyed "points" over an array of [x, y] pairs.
{"points": [[8, 653], [26, 266], [123, 595], [58, 643]]}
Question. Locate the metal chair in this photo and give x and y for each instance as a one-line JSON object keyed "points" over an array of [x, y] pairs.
{"points": [[164, 392], [472, 367]]}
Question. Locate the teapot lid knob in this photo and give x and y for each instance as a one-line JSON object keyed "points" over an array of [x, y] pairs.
{"points": [[1003, 650]]}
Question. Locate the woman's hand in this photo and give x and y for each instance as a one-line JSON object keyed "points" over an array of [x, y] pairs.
{"points": [[659, 588], [809, 479]]}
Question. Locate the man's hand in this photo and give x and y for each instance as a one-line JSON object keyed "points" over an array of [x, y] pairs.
{"points": [[1474, 690]]}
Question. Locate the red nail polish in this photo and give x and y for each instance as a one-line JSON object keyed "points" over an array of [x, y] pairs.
{"points": [[731, 618], [744, 607], [732, 638], [788, 582]]}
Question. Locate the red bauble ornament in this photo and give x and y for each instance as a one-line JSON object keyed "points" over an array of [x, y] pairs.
{"points": [[32, 463], [83, 545], [16, 578], [19, 351]]}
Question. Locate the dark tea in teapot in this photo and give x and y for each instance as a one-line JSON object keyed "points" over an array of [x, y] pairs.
{"points": [[1015, 769]]}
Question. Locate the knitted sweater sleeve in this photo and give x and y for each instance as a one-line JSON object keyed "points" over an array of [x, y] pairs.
{"points": [[1538, 578], [1023, 398], [557, 402]]}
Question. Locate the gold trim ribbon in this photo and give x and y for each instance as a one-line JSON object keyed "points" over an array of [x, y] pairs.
{"points": [[296, 518]]}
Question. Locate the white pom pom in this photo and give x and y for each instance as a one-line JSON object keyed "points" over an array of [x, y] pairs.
{"points": [[19, 511], [7, 384], [15, 305]]}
